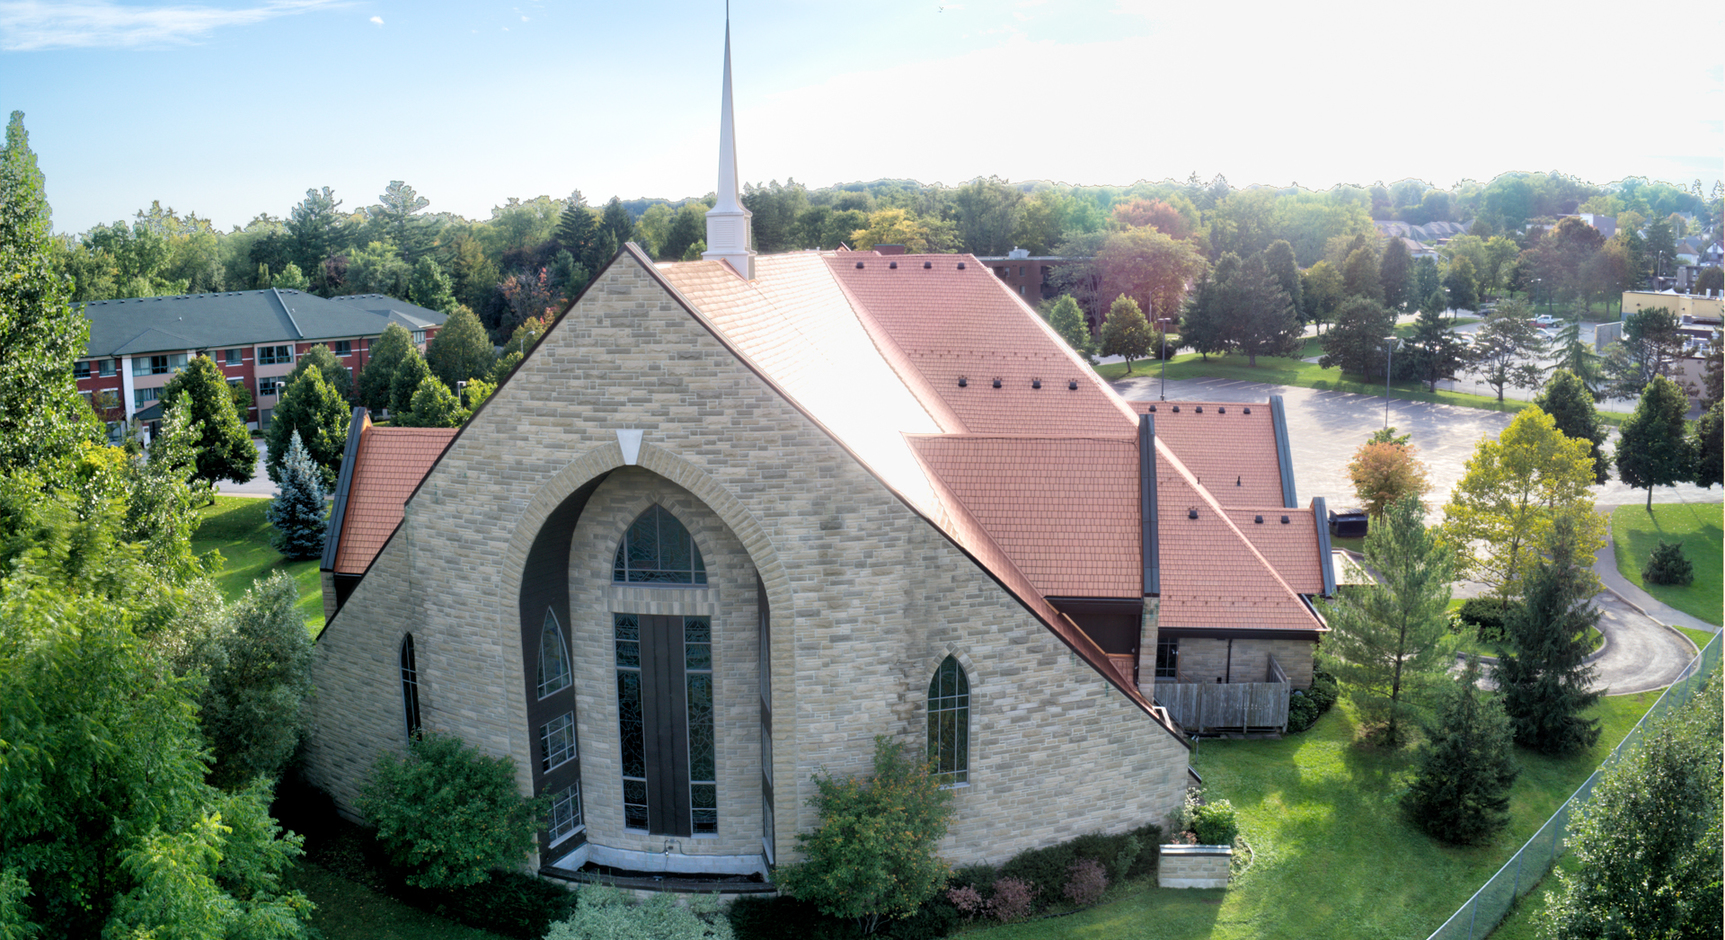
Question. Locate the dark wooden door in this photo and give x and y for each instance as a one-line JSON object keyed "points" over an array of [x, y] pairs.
{"points": [[659, 661]]}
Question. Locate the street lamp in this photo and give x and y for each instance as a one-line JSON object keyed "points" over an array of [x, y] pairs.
{"points": [[1164, 323], [1389, 358]]}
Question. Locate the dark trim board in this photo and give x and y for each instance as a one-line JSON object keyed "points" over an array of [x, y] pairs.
{"points": [[1218, 633], [343, 483], [1326, 560], [1148, 538]]}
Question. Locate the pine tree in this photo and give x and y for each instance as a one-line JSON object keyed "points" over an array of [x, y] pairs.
{"points": [[1261, 317], [1434, 350], [578, 231], [1460, 792], [1279, 260], [1068, 320], [461, 350], [378, 377], [1204, 326], [1569, 403], [1706, 444], [1542, 668], [297, 511], [224, 450], [1653, 449], [411, 371]]}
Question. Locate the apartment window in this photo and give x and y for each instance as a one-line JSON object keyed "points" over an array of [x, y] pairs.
{"points": [[342, 347], [657, 549], [177, 362], [269, 386], [232, 357], [409, 687], [949, 723], [108, 367], [1167, 658], [419, 336], [143, 396], [158, 365], [1021, 290], [557, 742], [81, 369], [274, 355], [565, 818], [89, 398]]}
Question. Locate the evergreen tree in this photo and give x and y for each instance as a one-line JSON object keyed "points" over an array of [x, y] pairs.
{"points": [[313, 411], [615, 222], [378, 376], [1395, 274], [42, 418], [433, 406], [319, 231], [1542, 668], [408, 374], [1279, 260], [1706, 444], [1567, 400], [1653, 449], [1356, 342], [461, 350], [1068, 320], [1126, 332], [1576, 356], [224, 450], [431, 288], [1387, 637], [578, 231], [297, 511], [1460, 792], [324, 360], [1434, 353], [1205, 326], [1261, 317]]}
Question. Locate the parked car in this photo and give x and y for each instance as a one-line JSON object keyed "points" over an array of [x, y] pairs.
{"points": [[1545, 320]]}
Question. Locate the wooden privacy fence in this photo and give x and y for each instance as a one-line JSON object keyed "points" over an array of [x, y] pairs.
{"points": [[1206, 707]]}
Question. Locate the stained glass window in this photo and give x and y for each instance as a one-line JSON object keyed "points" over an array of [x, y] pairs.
{"points": [[553, 658], [557, 741], [698, 674], [409, 687], [949, 723], [631, 726], [565, 813], [658, 550]]}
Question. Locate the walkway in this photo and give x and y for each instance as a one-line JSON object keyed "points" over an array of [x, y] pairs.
{"points": [[1605, 566]]}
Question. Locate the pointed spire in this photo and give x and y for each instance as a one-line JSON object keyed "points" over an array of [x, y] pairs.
{"points": [[728, 223]]}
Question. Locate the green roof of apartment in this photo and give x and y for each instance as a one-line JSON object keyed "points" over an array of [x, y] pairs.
{"points": [[142, 325]]}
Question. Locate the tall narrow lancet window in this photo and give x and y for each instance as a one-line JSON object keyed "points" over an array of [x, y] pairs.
{"points": [[949, 724], [409, 687], [553, 658], [658, 550]]}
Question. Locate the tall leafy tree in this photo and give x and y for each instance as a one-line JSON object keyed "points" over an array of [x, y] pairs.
{"points": [[1707, 444], [1460, 790], [224, 450], [988, 211], [42, 419], [1126, 333], [318, 414], [433, 406], [1149, 267], [1356, 342], [1513, 491], [1506, 349], [1567, 400], [1360, 275], [1428, 283], [1068, 321], [1653, 447], [379, 373], [409, 373], [1647, 840], [430, 287], [1395, 274], [1461, 285], [1387, 637], [324, 360], [297, 511], [377, 268], [461, 350], [1321, 292], [1651, 345], [1542, 669]]}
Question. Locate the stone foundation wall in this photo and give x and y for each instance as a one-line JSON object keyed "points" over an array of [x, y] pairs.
{"points": [[1194, 866], [1205, 659]]}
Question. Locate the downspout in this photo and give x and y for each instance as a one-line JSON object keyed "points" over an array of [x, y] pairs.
{"points": [[1228, 670]]}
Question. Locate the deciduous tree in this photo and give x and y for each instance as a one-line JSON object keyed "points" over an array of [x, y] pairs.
{"points": [[1708, 446], [1360, 275], [1356, 342], [1506, 349], [1321, 292], [1068, 321], [1570, 405], [409, 373], [1461, 285], [430, 287], [1387, 637], [1126, 333], [1384, 473], [386, 353], [1149, 267], [313, 410], [324, 360], [1542, 669], [1395, 275], [1460, 791], [460, 351], [223, 449], [1508, 499], [1651, 345], [433, 406], [1653, 447]]}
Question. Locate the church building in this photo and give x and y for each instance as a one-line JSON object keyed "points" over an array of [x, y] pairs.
{"points": [[730, 519]]}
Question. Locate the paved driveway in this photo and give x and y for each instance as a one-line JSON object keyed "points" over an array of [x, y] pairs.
{"points": [[260, 483]]}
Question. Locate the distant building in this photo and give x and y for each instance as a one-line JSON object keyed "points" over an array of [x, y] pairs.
{"points": [[138, 344], [1027, 274]]}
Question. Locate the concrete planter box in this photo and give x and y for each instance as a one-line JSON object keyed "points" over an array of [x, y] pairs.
{"points": [[1194, 866]]}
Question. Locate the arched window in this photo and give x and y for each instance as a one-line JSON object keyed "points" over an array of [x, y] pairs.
{"points": [[658, 550], [553, 658], [949, 723], [409, 687]]}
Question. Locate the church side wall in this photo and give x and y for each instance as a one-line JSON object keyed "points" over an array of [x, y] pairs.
{"points": [[866, 597]]}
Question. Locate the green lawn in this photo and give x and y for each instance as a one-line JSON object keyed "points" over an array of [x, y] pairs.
{"points": [[1698, 637], [347, 911], [1697, 525], [236, 527], [1335, 857]]}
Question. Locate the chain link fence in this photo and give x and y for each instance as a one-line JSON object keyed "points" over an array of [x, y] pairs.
{"points": [[1520, 874]]}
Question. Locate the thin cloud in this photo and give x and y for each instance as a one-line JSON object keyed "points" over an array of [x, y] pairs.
{"points": [[34, 25], [377, 19]]}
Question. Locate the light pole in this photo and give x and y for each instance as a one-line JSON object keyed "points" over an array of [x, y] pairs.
{"points": [[1163, 323], [1389, 358]]}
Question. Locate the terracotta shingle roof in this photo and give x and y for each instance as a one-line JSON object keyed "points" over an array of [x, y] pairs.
{"points": [[1065, 510], [1231, 453], [390, 463], [1291, 549]]}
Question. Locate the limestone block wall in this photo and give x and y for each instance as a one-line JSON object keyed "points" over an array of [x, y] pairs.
{"points": [[1205, 659], [1194, 866], [866, 596]]}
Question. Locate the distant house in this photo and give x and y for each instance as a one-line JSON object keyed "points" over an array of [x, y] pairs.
{"points": [[1027, 274], [138, 344]]}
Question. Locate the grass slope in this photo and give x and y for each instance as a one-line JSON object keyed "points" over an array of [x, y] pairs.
{"points": [[347, 911], [1335, 856], [236, 527], [1635, 534]]}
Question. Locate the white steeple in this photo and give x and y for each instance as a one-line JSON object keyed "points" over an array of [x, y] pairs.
{"points": [[728, 222]]}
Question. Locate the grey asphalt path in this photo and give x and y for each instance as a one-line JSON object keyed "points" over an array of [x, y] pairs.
{"points": [[1639, 654], [260, 484]]}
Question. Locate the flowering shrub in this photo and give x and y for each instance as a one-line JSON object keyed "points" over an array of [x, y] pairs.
{"points": [[1011, 900], [1085, 881], [967, 900]]}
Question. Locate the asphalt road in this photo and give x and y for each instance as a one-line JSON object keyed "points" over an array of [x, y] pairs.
{"points": [[260, 483]]}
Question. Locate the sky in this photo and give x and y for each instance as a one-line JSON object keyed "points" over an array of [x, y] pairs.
{"points": [[230, 108]]}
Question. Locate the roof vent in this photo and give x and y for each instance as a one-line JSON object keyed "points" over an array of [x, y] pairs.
{"points": [[893, 265], [997, 381], [859, 265], [1191, 513], [1035, 383], [1176, 409], [1284, 520], [961, 266], [1199, 409], [1072, 385], [962, 381], [1237, 481], [1221, 410], [927, 264], [1152, 407], [1259, 520], [1248, 409]]}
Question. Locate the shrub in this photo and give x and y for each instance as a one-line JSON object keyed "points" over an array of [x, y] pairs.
{"points": [[1012, 900], [785, 918], [447, 814], [1486, 614], [933, 920], [1215, 823], [1044, 869], [968, 901], [607, 914], [980, 877], [1668, 566], [872, 855], [1085, 882], [1306, 706]]}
